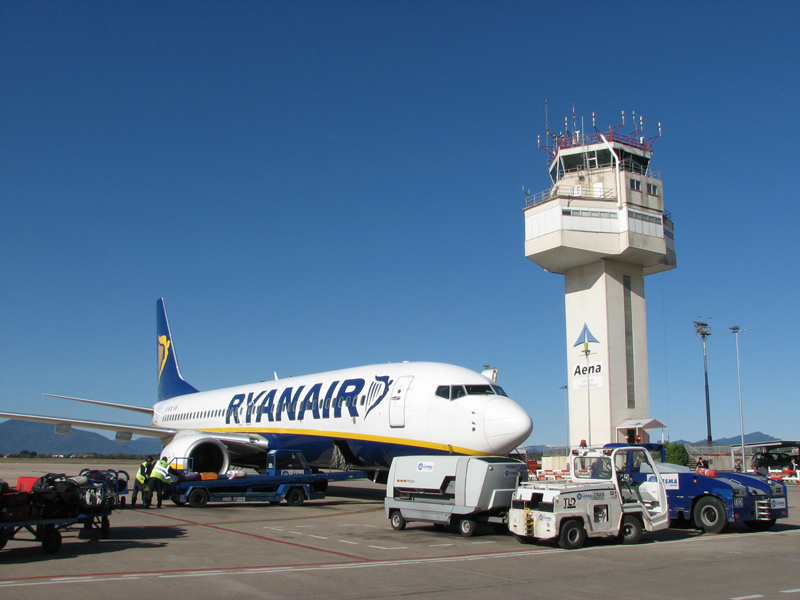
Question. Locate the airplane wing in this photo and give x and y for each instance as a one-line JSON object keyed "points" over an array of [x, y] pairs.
{"points": [[123, 432], [139, 409]]}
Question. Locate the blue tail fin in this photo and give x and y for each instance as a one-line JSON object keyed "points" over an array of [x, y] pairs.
{"points": [[170, 382]]}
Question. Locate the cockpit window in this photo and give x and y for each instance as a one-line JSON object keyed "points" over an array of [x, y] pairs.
{"points": [[453, 392], [499, 391], [479, 390]]}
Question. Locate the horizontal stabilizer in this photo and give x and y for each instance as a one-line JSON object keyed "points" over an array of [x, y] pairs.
{"points": [[139, 409]]}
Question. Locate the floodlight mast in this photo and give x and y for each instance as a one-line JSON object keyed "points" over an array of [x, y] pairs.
{"points": [[704, 330]]}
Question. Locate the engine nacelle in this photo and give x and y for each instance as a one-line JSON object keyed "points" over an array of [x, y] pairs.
{"points": [[208, 454]]}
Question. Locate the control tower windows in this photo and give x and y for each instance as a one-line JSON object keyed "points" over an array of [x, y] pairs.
{"points": [[636, 185], [652, 189]]}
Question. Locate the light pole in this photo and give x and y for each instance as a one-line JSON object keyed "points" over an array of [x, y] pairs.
{"points": [[704, 330], [566, 412], [587, 352], [735, 331]]}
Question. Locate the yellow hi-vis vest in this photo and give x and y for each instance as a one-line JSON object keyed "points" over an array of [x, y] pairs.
{"points": [[142, 474], [161, 472]]}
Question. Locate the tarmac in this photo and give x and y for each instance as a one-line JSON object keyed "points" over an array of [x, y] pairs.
{"points": [[344, 547]]}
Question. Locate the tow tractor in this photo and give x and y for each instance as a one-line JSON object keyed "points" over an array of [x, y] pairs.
{"points": [[285, 476], [712, 499], [599, 500]]}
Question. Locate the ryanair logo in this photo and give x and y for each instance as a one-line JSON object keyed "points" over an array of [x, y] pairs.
{"points": [[292, 404], [163, 353]]}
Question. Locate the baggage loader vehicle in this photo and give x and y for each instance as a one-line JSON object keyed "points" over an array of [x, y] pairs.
{"points": [[285, 476]]}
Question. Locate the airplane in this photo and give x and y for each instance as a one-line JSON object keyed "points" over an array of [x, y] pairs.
{"points": [[364, 415]]}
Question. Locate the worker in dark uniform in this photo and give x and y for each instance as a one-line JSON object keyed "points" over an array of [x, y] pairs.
{"points": [[140, 482]]}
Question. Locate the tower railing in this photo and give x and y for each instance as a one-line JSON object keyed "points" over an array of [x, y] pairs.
{"points": [[576, 139]]}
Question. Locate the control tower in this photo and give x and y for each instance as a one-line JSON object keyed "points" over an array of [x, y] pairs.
{"points": [[602, 225]]}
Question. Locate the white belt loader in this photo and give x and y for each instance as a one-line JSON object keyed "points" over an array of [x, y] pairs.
{"points": [[452, 490], [599, 499]]}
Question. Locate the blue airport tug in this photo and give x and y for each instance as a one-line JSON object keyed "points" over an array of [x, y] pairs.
{"points": [[711, 499]]}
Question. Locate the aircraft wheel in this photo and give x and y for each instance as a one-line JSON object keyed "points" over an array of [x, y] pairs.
{"points": [[467, 527], [295, 497], [631, 530], [397, 520], [572, 535], [709, 514], [198, 498]]}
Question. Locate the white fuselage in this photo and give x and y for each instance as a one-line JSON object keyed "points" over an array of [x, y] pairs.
{"points": [[379, 411]]}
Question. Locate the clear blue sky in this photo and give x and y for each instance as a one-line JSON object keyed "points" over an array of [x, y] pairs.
{"points": [[318, 185]]}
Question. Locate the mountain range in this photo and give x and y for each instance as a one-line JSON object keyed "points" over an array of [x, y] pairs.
{"points": [[749, 438], [16, 436]]}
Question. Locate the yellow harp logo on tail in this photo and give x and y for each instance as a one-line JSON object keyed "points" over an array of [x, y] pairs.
{"points": [[163, 353]]}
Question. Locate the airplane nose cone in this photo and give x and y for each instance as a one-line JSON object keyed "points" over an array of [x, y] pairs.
{"points": [[506, 425]]}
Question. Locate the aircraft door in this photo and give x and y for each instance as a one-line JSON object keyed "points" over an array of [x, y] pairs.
{"points": [[397, 402]]}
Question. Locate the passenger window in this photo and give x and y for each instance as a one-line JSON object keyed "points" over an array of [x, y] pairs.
{"points": [[443, 391]]}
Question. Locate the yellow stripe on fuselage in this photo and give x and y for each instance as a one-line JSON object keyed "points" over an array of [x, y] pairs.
{"points": [[351, 436]]}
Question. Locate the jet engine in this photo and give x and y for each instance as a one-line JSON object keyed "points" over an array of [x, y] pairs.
{"points": [[207, 454]]}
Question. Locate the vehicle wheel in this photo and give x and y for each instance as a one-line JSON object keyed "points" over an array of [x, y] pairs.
{"points": [[467, 527], [631, 530], [105, 527], [760, 525], [295, 497], [198, 498], [572, 535], [397, 520], [51, 541], [709, 514], [176, 500], [3, 538]]}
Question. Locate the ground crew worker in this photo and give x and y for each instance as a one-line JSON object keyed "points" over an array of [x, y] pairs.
{"points": [[158, 477], [140, 482]]}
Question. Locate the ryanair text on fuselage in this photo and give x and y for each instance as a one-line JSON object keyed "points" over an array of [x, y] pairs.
{"points": [[296, 404]]}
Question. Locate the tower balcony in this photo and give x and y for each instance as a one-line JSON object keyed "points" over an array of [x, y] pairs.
{"points": [[565, 232]]}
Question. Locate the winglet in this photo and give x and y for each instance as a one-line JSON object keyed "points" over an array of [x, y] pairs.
{"points": [[170, 381]]}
